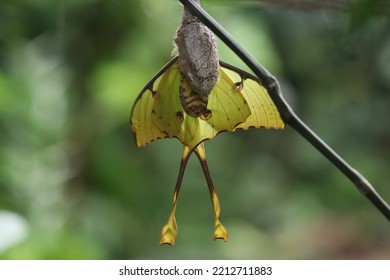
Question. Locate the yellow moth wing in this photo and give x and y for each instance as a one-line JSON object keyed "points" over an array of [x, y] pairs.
{"points": [[167, 102], [227, 104], [143, 127], [264, 113]]}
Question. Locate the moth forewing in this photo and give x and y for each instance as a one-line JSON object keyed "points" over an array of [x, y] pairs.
{"points": [[227, 105], [167, 103], [264, 113]]}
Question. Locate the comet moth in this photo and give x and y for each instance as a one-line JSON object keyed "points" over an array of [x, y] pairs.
{"points": [[237, 101]]}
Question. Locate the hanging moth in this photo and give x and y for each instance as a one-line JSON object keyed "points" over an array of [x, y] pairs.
{"points": [[193, 98]]}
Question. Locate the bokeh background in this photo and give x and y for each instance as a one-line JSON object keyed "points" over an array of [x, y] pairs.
{"points": [[73, 185]]}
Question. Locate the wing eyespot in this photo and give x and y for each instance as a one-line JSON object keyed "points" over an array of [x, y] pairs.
{"points": [[206, 115], [179, 116], [239, 85]]}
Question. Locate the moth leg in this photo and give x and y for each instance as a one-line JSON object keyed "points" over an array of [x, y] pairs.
{"points": [[220, 232], [169, 230]]}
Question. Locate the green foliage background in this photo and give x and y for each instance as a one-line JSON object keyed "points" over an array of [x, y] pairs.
{"points": [[73, 185]]}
